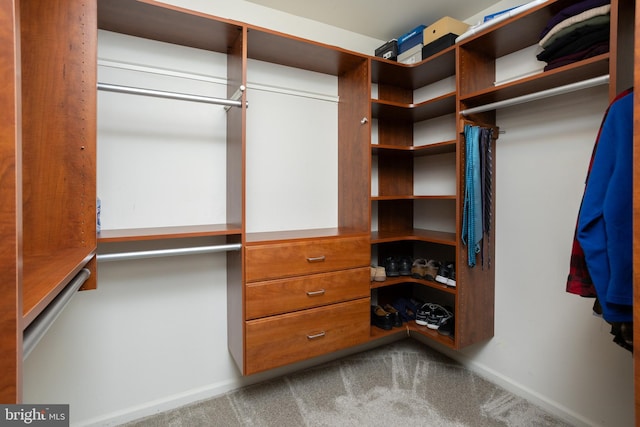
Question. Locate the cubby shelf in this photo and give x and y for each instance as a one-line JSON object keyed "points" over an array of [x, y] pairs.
{"points": [[391, 281], [436, 107], [441, 237], [419, 150]]}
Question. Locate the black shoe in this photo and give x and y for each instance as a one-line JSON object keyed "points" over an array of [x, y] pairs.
{"points": [[447, 325], [381, 318], [391, 267], [395, 315], [451, 281], [404, 266], [443, 274]]}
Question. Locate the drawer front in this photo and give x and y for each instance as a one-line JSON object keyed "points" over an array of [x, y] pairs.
{"points": [[299, 293], [288, 338], [295, 258]]}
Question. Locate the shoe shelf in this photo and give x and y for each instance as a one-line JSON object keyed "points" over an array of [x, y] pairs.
{"points": [[446, 340], [415, 234], [438, 197], [391, 281]]}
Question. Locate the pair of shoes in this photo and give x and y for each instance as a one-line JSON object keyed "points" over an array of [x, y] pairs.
{"points": [[433, 316], [395, 315], [407, 307], [447, 274], [378, 274], [381, 318], [423, 269], [398, 266]]}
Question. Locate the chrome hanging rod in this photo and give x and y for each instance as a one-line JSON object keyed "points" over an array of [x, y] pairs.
{"points": [[41, 324], [596, 81], [169, 95], [157, 253]]}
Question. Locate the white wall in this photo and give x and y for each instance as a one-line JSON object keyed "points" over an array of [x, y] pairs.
{"points": [[153, 336]]}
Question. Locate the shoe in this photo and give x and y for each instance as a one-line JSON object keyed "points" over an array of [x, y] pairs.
{"points": [[431, 270], [404, 266], [421, 315], [373, 273], [391, 267], [451, 281], [381, 318], [443, 273], [447, 326], [379, 274], [395, 315], [419, 268], [407, 308], [437, 315]]}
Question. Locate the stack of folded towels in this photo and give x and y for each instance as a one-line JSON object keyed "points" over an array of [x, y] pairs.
{"points": [[578, 32]]}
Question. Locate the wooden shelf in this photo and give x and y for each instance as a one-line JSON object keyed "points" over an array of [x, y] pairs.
{"points": [[413, 76], [440, 106], [448, 341], [412, 197], [391, 281], [418, 150], [440, 237], [46, 275], [583, 70], [314, 233], [159, 233], [514, 33], [168, 24]]}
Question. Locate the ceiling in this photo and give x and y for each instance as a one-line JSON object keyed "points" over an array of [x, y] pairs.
{"points": [[380, 19]]}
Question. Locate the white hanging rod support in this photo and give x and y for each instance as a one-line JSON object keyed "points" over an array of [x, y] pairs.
{"points": [[124, 256], [41, 324], [168, 95], [596, 81], [236, 96]]}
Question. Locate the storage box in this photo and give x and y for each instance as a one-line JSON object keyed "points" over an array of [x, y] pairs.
{"points": [[412, 55], [438, 45], [442, 27], [410, 39], [389, 50]]}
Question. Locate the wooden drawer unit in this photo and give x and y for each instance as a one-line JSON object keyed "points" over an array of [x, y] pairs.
{"points": [[300, 257], [297, 293], [279, 340]]}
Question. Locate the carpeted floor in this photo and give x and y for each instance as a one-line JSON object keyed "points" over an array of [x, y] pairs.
{"points": [[401, 384]]}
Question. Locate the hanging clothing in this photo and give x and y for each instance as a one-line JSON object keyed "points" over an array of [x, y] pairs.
{"points": [[579, 280], [472, 209], [605, 221]]}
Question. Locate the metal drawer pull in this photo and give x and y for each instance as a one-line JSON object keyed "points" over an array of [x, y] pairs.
{"points": [[315, 293], [315, 336], [316, 259]]}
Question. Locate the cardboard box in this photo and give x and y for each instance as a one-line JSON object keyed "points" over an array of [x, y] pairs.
{"points": [[438, 45], [389, 50], [410, 39], [442, 27], [412, 55]]}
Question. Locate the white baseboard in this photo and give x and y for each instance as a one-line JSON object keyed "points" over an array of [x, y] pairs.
{"points": [[489, 374]]}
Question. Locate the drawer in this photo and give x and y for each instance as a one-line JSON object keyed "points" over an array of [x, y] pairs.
{"points": [[298, 293], [288, 338], [300, 257]]}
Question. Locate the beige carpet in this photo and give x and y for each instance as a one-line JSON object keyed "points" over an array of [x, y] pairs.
{"points": [[401, 384]]}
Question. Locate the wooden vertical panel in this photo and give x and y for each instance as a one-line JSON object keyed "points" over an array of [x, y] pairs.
{"points": [[354, 154], [236, 140], [59, 105], [636, 217], [10, 206]]}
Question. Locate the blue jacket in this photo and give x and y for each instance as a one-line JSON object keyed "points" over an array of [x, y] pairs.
{"points": [[606, 215]]}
